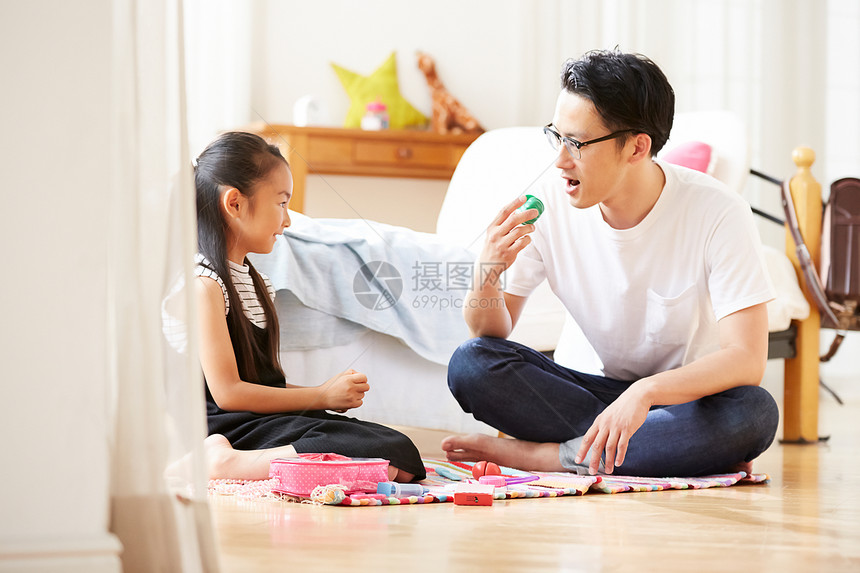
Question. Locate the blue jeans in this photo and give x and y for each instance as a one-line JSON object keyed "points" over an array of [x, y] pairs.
{"points": [[524, 394]]}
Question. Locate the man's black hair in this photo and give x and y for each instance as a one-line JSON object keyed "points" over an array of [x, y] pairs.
{"points": [[629, 91]]}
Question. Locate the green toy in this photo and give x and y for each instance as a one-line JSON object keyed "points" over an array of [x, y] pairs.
{"points": [[532, 202]]}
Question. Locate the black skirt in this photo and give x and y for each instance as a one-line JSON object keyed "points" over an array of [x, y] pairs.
{"points": [[318, 431], [313, 431]]}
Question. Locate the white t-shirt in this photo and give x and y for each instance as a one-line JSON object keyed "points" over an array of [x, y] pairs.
{"points": [[648, 298]]}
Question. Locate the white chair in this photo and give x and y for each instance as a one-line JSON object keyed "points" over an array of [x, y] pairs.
{"points": [[725, 133]]}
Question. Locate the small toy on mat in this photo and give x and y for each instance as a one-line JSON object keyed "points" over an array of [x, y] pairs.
{"points": [[395, 489], [498, 482], [484, 468], [504, 481], [474, 494], [328, 494], [579, 483], [491, 474]]}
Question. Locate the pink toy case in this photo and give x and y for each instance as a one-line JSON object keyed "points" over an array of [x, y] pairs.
{"points": [[299, 476]]}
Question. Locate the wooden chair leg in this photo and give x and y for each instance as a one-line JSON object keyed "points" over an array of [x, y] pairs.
{"points": [[801, 373], [800, 401]]}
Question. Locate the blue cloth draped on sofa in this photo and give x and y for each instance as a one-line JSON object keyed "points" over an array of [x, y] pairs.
{"points": [[336, 278]]}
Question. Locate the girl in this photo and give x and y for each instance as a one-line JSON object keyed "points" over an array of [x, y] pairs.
{"points": [[243, 188]]}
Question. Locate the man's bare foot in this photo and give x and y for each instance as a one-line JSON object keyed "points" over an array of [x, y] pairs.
{"points": [[745, 467], [518, 454]]}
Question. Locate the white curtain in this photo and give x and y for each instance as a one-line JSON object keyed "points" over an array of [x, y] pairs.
{"points": [[157, 394], [219, 75]]}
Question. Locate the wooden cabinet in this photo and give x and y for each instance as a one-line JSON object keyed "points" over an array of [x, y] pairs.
{"points": [[387, 153]]}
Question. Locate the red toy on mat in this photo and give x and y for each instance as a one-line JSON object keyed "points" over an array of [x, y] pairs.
{"points": [[474, 494]]}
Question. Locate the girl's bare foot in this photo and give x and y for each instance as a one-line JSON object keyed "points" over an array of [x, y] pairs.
{"points": [[225, 462], [220, 456], [518, 454], [396, 474]]}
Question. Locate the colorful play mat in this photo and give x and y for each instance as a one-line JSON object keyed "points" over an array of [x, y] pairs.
{"points": [[443, 478]]}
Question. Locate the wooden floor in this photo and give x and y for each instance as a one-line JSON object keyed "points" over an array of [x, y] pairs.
{"points": [[806, 519]]}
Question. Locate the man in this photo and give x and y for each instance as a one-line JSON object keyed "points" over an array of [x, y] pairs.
{"points": [[659, 265]]}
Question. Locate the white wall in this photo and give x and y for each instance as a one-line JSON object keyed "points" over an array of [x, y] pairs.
{"points": [[476, 47], [478, 50], [55, 61]]}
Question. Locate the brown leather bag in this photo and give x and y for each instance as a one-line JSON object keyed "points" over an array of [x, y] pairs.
{"points": [[840, 253], [836, 290]]}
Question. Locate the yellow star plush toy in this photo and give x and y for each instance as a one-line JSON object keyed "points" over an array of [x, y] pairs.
{"points": [[380, 85]]}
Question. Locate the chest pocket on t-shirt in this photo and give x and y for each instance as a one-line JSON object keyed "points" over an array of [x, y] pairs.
{"points": [[672, 320]]}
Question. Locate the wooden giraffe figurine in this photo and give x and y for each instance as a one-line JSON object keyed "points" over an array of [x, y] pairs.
{"points": [[449, 115]]}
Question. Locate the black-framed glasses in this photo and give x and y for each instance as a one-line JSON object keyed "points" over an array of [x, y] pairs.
{"points": [[573, 146]]}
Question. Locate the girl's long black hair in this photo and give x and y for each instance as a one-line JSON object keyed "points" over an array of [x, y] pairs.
{"points": [[240, 160]]}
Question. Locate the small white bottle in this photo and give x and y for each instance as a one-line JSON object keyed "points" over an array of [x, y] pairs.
{"points": [[375, 117]]}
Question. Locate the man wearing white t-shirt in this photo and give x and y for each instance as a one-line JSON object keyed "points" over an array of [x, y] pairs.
{"points": [[661, 268]]}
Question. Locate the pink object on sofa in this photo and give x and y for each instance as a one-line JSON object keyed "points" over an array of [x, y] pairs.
{"points": [[692, 154], [299, 476]]}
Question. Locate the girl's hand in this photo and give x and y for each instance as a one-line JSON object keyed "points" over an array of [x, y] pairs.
{"points": [[344, 391], [506, 237]]}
